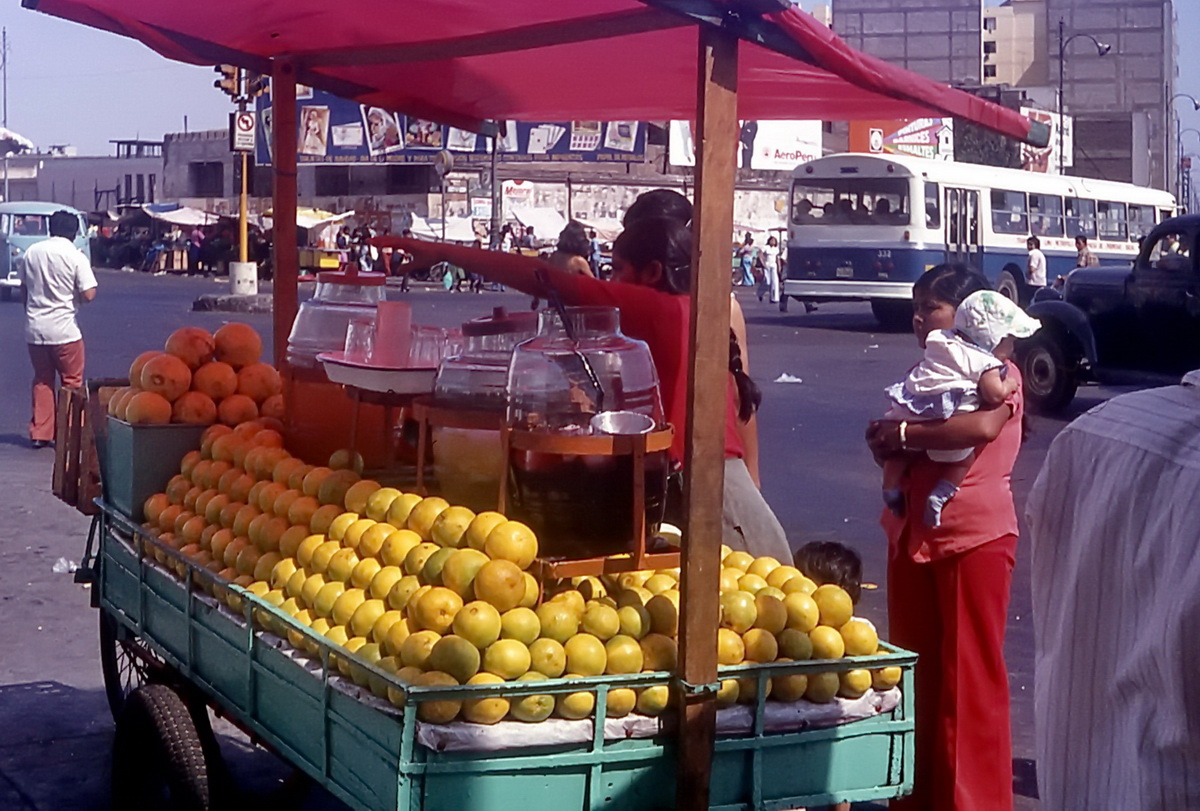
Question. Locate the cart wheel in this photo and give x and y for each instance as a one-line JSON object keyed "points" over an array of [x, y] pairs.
{"points": [[125, 664], [159, 759]]}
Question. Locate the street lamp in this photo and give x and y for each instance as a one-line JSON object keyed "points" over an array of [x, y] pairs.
{"points": [[1063, 42], [1179, 139]]}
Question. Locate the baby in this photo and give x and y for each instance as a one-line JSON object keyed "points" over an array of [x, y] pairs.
{"points": [[963, 370]]}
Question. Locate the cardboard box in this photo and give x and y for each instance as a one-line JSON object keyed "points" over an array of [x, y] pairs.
{"points": [[139, 460]]}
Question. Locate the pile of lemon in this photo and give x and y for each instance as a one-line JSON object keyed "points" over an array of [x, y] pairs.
{"points": [[438, 595]]}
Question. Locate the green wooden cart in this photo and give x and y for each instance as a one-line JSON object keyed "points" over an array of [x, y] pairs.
{"points": [[169, 651]]}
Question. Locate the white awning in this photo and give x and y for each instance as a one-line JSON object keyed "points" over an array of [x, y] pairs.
{"points": [[547, 223]]}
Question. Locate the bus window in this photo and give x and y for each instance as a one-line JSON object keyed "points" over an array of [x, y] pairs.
{"points": [[1081, 217], [1111, 220], [933, 209], [1045, 215], [1008, 212], [1141, 220], [850, 201]]}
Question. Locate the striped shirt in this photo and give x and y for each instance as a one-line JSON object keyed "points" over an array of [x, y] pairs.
{"points": [[1114, 520]]}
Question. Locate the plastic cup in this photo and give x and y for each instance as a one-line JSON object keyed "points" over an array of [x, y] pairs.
{"points": [[360, 339]]}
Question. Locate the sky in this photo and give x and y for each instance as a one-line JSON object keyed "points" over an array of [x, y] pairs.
{"points": [[69, 84]]}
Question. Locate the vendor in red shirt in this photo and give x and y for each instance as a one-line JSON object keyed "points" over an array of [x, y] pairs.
{"points": [[650, 285], [948, 586]]}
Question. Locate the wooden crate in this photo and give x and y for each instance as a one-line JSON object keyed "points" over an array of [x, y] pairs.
{"points": [[76, 476]]}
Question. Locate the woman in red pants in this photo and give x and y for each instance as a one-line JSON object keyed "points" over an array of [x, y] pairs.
{"points": [[948, 587]]}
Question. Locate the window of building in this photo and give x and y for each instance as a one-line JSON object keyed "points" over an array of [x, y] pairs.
{"points": [[989, 23], [1081, 217], [989, 46], [409, 179], [206, 179], [333, 181], [1111, 220], [1045, 215], [1008, 212], [989, 71]]}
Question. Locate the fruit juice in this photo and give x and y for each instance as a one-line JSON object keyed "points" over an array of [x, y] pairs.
{"points": [[581, 506]]}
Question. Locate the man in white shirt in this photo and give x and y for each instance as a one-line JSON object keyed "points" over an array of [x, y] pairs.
{"points": [[55, 275], [1113, 520], [1036, 270]]}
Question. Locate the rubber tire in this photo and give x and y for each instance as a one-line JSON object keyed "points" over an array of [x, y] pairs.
{"points": [[159, 758], [1046, 367], [783, 303], [6, 294], [893, 315], [1009, 286], [122, 669]]}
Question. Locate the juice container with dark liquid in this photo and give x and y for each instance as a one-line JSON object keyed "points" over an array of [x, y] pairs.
{"points": [[581, 505]]}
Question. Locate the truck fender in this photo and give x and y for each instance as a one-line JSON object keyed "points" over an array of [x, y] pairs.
{"points": [[1071, 320]]}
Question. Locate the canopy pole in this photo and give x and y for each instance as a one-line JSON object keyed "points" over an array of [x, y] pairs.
{"points": [[283, 204], [704, 456]]}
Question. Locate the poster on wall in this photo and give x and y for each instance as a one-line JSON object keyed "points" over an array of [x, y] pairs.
{"points": [[334, 130], [921, 137], [1045, 159], [767, 145]]}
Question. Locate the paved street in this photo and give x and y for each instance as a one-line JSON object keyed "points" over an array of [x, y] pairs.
{"points": [[55, 730]]}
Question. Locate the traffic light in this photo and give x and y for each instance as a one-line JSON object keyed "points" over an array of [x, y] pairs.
{"points": [[230, 80], [256, 84]]}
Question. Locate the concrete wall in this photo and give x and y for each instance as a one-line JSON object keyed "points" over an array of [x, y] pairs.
{"points": [[181, 149], [80, 182], [936, 38]]}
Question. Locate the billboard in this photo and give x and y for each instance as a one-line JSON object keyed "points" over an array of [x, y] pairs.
{"points": [[1045, 159], [769, 145], [920, 137], [333, 130]]}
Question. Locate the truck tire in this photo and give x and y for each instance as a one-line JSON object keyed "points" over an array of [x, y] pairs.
{"points": [[159, 758], [1009, 285], [1048, 367], [894, 315], [783, 303]]}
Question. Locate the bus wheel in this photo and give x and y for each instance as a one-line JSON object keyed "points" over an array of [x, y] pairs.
{"points": [[1008, 286], [893, 314], [783, 303]]}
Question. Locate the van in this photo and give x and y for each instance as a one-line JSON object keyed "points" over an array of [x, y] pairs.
{"points": [[23, 224]]}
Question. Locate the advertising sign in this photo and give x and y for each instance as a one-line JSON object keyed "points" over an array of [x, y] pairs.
{"points": [[334, 130], [770, 145], [1045, 159], [921, 137]]}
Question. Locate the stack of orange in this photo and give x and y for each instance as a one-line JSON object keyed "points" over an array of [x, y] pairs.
{"points": [[201, 378]]}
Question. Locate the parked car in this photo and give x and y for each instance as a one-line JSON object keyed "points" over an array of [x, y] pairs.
{"points": [[21, 225], [1138, 325]]}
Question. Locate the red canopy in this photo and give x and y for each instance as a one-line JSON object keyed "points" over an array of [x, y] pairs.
{"points": [[465, 62]]}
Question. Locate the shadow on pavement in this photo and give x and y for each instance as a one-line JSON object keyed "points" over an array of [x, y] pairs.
{"points": [[17, 440]]}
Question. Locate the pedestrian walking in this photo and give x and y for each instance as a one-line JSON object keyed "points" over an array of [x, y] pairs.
{"points": [[55, 276], [1084, 258], [1035, 270], [769, 263], [746, 254], [595, 253]]}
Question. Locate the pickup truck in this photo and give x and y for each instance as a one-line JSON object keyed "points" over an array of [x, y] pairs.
{"points": [[1137, 325]]}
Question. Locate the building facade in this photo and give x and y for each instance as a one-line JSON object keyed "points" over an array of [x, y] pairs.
{"points": [[1013, 38], [940, 39]]}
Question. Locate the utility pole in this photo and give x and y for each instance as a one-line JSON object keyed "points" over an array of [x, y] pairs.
{"points": [[4, 68], [242, 86]]}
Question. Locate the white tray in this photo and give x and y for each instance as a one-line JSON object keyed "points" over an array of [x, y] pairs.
{"points": [[369, 377]]}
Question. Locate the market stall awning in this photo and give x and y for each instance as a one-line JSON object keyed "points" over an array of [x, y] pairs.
{"points": [[179, 215], [546, 223], [468, 62], [457, 229], [310, 218]]}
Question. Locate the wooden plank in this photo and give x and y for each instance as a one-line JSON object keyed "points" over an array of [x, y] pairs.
{"points": [[704, 456], [286, 254], [58, 477]]}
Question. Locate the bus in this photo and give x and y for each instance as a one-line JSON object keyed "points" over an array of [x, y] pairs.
{"points": [[865, 227]]}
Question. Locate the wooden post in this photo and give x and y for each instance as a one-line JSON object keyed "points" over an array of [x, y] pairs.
{"points": [[283, 204], [704, 456]]}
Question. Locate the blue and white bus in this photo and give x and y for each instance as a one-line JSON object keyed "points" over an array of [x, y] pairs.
{"points": [[865, 227]]}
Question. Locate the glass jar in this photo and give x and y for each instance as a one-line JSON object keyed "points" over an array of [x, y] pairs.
{"points": [[468, 462], [581, 505], [321, 322]]}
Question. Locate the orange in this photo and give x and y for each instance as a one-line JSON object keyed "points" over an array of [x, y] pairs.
{"points": [[237, 408], [166, 375], [193, 345], [209, 436], [155, 505], [273, 407], [284, 467], [259, 381], [216, 379], [139, 363], [148, 408], [323, 517], [313, 480], [237, 344]]}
